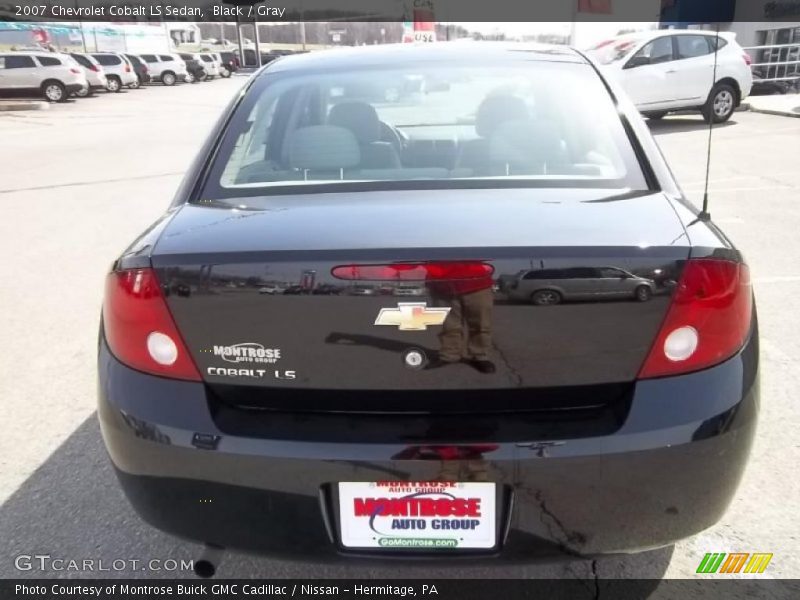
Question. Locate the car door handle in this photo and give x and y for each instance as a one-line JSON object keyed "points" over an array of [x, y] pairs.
{"points": [[671, 71]]}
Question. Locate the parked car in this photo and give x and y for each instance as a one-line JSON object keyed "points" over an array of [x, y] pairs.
{"points": [[194, 67], [222, 65], [294, 290], [763, 86], [327, 289], [266, 57], [270, 289], [551, 286], [95, 75], [209, 64], [666, 70], [319, 424], [52, 75], [230, 63], [140, 68], [409, 290], [118, 69], [166, 68]]}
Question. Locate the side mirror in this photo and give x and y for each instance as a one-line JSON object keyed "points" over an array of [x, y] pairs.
{"points": [[637, 61]]}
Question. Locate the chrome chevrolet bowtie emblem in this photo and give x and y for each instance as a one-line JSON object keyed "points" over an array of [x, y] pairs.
{"points": [[412, 316]]}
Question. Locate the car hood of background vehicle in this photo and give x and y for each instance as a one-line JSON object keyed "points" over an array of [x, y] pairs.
{"points": [[425, 219]]}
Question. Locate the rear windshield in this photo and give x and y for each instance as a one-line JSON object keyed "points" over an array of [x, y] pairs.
{"points": [[540, 122], [107, 60], [85, 62]]}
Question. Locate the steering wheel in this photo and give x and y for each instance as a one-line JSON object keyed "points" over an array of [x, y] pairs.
{"points": [[394, 136]]}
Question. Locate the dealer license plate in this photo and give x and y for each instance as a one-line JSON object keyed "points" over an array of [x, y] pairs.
{"points": [[422, 515]]}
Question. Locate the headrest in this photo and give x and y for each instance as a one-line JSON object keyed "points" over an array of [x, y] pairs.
{"points": [[497, 109], [358, 117], [525, 143], [323, 147]]}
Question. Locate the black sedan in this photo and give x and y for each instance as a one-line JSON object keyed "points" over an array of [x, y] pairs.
{"points": [[438, 420]]}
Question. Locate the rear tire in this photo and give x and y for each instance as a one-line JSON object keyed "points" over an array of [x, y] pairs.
{"points": [[655, 116], [54, 91], [114, 84], [224, 72], [720, 104], [135, 85], [545, 298], [643, 293], [168, 78], [190, 78], [84, 92]]}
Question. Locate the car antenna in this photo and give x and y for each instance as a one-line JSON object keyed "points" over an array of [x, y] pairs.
{"points": [[704, 214]]}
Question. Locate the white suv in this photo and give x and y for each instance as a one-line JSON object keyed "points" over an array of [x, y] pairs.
{"points": [[118, 69], [668, 70], [210, 64], [55, 76], [166, 68], [95, 74]]}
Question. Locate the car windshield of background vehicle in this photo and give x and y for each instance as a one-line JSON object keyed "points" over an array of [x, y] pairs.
{"points": [[539, 122], [611, 51]]}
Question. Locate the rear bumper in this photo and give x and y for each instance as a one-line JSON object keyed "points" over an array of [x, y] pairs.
{"points": [[75, 87], [667, 472]]}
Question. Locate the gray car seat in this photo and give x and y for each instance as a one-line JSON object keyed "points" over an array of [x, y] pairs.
{"points": [[495, 110], [526, 147], [362, 120], [323, 151]]}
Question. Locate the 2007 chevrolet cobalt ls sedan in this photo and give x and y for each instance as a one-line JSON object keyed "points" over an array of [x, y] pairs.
{"points": [[343, 416]]}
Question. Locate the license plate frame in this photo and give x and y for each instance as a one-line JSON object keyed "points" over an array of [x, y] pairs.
{"points": [[418, 516]]}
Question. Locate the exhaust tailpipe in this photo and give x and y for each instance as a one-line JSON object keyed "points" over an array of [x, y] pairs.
{"points": [[210, 559]]}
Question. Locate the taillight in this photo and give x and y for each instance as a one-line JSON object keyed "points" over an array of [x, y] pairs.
{"points": [[94, 68], [127, 68], [144, 68], [707, 322], [139, 328], [747, 60], [414, 271]]}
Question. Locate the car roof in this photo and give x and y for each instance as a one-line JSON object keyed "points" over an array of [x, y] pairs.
{"points": [[86, 55], [654, 33], [475, 52], [35, 53], [29, 52]]}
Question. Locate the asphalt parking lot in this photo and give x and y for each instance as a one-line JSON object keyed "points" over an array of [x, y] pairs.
{"points": [[79, 181]]}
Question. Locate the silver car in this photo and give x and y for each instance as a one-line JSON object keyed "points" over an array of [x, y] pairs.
{"points": [[166, 68], [95, 75], [543, 287], [118, 69], [53, 75]]}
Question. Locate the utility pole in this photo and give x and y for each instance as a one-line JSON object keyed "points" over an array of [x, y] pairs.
{"points": [[80, 26]]}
